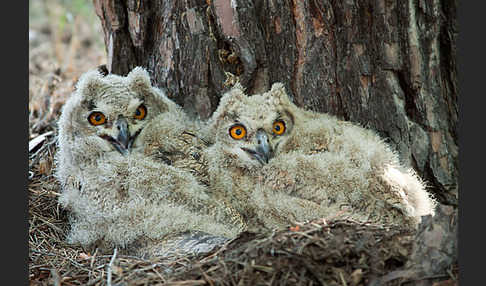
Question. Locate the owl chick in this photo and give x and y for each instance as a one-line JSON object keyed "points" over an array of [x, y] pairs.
{"points": [[279, 164], [116, 194]]}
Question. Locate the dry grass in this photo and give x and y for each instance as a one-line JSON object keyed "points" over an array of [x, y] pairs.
{"points": [[64, 42]]}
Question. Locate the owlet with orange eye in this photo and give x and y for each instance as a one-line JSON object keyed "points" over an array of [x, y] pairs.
{"points": [[278, 127], [141, 112], [297, 165], [105, 129], [237, 131], [96, 118]]}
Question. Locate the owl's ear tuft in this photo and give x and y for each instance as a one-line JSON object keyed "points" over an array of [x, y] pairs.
{"points": [[139, 79], [233, 97], [278, 92], [230, 101], [89, 84]]}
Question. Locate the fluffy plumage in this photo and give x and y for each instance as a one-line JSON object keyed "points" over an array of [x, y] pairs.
{"points": [[293, 165], [116, 194], [175, 139]]}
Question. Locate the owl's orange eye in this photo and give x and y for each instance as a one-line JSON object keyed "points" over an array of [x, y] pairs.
{"points": [[141, 112], [279, 127], [96, 118], [237, 131]]}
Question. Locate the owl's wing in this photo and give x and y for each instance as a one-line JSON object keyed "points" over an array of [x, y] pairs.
{"points": [[173, 139], [183, 244], [183, 151], [336, 183], [191, 156]]}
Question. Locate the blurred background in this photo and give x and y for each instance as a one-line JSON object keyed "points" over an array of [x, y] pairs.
{"points": [[65, 40]]}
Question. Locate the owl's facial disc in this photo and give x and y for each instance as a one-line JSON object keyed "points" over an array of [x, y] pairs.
{"points": [[263, 150]]}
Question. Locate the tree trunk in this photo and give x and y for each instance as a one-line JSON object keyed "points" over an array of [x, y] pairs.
{"points": [[388, 65]]}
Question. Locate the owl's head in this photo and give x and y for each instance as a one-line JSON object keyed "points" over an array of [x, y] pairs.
{"points": [[107, 113], [250, 129]]}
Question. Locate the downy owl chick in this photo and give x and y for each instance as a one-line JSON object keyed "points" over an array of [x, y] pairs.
{"points": [[116, 195], [278, 163]]}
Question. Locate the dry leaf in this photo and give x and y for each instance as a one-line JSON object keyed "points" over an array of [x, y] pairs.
{"points": [[295, 228]]}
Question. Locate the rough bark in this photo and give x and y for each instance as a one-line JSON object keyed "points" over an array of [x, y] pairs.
{"points": [[388, 65]]}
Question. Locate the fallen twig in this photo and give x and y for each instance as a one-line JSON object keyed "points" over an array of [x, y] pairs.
{"points": [[108, 279]]}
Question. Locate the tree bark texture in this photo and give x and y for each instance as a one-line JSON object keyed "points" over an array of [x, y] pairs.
{"points": [[387, 65]]}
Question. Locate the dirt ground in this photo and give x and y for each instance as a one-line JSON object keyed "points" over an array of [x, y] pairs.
{"points": [[65, 40]]}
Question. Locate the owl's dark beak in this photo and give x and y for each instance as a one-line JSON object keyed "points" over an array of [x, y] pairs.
{"points": [[264, 148], [263, 151], [123, 137], [124, 140]]}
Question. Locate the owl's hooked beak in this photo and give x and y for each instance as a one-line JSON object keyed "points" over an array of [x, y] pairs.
{"points": [[124, 140], [123, 137], [263, 151]]}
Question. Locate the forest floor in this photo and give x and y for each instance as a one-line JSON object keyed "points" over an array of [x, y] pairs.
{"points": [[65, 40]]}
